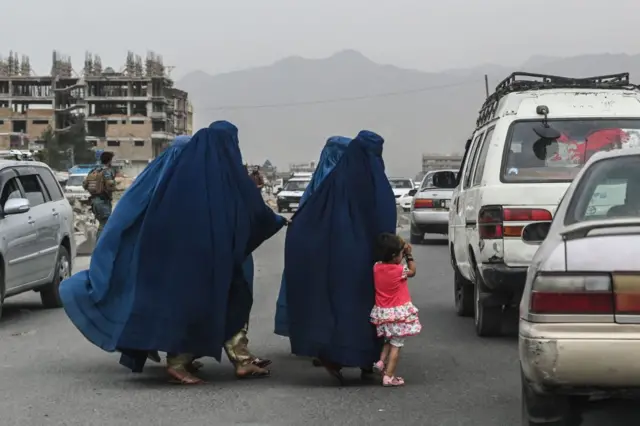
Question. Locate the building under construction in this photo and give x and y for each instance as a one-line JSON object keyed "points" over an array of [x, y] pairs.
{"points": [[134, 111]]}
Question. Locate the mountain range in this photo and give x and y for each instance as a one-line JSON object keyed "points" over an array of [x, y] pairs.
{"points": [[285, 111]]}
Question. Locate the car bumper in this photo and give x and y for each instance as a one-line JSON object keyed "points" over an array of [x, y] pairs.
{"points": [[76, 196], [506, 280], [430, 221], [288, 204], [580, 357]]}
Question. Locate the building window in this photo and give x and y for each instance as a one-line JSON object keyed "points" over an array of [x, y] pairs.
{"points": [[40, 122], [93, 143], [1, 122], [138, 143], [137, 121], [113, 121], [113, 143]]}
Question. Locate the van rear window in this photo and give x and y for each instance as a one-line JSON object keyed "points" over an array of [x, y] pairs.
{"points": [[531, 158]]}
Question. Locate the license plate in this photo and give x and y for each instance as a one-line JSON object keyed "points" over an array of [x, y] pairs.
{"points": [[294, 205]]}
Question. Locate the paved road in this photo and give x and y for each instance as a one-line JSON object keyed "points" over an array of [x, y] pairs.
{"points": [[51, 376]]}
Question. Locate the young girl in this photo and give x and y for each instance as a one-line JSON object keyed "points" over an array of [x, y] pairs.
{"points": [[394, 315]]}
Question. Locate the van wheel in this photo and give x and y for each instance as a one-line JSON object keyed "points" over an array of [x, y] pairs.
{"points": [[547, 410], [50, 294], [488, 319], [464, 295]]}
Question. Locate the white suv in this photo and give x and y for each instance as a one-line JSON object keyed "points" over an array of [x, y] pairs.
{"points": [[36, 232], [533, 136]]}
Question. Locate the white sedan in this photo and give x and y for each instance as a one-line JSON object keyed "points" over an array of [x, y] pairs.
{"points": [[579, 334]]}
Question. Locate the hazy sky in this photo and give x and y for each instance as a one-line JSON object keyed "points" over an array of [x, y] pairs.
{"points": [[218, 36]]}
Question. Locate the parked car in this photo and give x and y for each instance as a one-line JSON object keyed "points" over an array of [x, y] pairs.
{"points": [[37, 247], [73, 189], [533, 136], [289, 198], [579, 332], [406, 200], [430, 206]]}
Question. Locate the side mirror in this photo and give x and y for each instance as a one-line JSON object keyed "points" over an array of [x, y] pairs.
{"points": [[412, 192], [16, 206], [444, 180]]}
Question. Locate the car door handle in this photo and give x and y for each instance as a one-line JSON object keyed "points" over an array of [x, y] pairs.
{"points": [[31, 221], [56, 213]]}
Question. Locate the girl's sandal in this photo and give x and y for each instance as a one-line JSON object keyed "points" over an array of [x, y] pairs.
{"points": [[379, 367], [392, 381], [180, 375]]}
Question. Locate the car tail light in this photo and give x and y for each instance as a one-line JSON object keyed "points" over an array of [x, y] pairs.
{"points": [[572, 295], [627, 293], [423, 204], [491, 221]]}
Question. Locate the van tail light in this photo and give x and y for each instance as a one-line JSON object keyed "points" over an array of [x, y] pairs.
{"points": [[567, 294], [491, 221]]}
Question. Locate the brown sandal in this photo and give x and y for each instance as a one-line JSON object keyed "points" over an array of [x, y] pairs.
{"points": [[181, 375]]}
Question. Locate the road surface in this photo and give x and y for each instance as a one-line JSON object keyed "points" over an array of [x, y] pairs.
{"points": [[51, 376]]}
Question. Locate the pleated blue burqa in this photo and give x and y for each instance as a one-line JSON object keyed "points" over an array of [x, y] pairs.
{"points": [[329, 257], [172, 271]]}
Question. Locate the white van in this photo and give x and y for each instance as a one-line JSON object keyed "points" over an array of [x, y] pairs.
{"points": [[532, 137]]}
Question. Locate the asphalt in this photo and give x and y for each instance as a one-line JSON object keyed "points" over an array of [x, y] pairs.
{"points": [[49, 375]]}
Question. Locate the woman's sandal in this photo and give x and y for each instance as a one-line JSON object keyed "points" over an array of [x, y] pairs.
{"points": [[251, 371], [181, 375], [194, 367], [333, 370], [262, 363], [388, 381]]}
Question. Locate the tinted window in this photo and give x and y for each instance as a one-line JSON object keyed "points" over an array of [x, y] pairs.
{"points": [[609, 189], [32, 190], [52, 185], [535, 159], [10, 190], [296, 185], [482, 157], [470, 161]]}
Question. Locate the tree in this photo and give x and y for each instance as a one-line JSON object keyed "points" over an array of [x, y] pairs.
{"points": [[66, 148]]}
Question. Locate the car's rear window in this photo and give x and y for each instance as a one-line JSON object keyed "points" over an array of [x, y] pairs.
{"points": [[609, 189], [530, 158], [401, 183]]}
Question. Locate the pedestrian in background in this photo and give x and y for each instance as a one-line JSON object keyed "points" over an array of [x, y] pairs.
{"points": [[394, 315], [100, 183], [257, 178]]}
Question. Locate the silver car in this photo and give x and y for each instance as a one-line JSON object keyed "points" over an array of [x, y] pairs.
{"points": [[579, 334], [430, 208], [36, 232]]}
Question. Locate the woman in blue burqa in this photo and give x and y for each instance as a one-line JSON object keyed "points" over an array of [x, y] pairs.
{"points": [[172, 271], [329, 258]]}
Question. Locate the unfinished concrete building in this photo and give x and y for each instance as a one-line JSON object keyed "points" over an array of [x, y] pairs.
{"points": [[134, 111]]}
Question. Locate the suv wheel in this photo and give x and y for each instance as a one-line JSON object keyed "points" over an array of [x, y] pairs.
{"points": [[488, 319], [463, 293], [50, 294], [547, 410]]}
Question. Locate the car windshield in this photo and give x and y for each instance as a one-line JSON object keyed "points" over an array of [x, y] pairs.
{"points": [[531, 158], [427, 182], [609, 189], [401, 183], [296, 185], [75, 181]]}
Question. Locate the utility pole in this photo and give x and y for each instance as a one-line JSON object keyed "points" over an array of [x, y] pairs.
{"points": [[486, 85]]}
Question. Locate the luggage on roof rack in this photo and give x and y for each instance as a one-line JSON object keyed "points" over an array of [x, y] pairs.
{"points": [[524, 81]]}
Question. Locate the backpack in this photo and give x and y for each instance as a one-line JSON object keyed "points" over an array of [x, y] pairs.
{"points": [[94, 182]]}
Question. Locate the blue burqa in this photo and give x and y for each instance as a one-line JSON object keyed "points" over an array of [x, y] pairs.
{"points": [[329, 257], [329, 157], [172, 271]]}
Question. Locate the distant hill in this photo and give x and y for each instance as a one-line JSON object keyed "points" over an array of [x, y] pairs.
{"points": [[434, 112]]}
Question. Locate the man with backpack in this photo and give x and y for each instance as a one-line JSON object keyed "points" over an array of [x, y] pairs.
{"points": [[100, 183]]}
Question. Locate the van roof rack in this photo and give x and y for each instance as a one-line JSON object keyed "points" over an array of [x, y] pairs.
{"points": [[523, 81]]}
